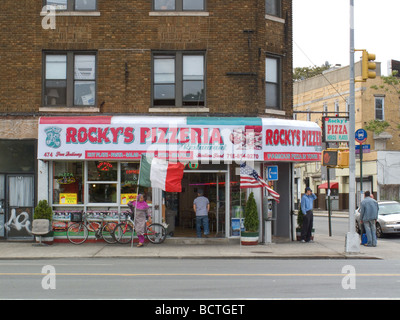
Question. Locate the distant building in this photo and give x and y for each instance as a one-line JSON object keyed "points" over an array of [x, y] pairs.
{"points": [[374, 100]]}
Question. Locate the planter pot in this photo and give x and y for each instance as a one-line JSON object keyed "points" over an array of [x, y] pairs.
{"points": [[249, 238], [298, 234]]}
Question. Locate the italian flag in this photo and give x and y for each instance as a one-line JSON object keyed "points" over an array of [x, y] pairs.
{"points": [[159, 173]]}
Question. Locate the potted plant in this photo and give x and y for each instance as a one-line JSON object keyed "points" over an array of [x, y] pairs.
{"points": [[250, 235], [300, 216], [44, 211]]}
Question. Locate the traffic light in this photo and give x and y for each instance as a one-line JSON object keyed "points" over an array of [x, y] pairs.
{"points": [[368, 66], [343, 158], [336, 158], [329, 158]]}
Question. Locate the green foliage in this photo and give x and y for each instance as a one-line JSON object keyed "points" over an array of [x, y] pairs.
{"points": [[300, 216], [251, 215], [301, 73], [377, 126], [43, 211]]}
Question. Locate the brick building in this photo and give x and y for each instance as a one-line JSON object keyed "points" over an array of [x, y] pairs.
{"points": [[95, 62], [374, 100]]}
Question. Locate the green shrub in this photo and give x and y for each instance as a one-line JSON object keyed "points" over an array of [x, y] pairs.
{"points": [[43, 211], [251, 221]]}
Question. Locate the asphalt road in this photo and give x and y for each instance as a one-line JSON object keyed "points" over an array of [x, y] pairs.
{"points": [[199, 279], [213, 279]]}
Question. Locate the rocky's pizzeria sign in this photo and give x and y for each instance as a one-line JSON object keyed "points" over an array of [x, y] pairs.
{"points": [[183, 138]]}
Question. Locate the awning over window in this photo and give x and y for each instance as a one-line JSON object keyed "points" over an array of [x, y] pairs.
{"points": [[333, 185]]}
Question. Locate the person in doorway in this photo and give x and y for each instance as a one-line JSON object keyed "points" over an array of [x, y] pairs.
{"points": [[141, 213], [307, 205], [368, 215], [201, 206]]}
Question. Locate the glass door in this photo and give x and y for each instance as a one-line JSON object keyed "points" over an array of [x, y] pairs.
{"points": [[19, 206]]}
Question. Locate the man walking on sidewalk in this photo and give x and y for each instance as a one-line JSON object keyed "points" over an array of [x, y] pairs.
{"points": [[368, 215], [307, 205]]}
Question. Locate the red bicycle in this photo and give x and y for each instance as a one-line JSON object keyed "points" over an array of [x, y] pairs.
{"points": [[125, 230]]}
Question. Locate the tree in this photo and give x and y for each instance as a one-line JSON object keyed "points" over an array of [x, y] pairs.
{"points": [[301, 73]]}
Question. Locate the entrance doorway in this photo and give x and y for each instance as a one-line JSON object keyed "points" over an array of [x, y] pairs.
{"points": [[179, 212], [17, 204]]}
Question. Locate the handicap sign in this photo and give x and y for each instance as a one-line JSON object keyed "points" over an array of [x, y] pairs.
{"points": [[361, 135], [272, 173]]}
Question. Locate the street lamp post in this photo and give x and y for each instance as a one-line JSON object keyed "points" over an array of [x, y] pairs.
{"points": [[352, 238]]}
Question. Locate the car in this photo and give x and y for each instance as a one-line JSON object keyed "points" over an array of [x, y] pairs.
{"points": [[388, 218]]}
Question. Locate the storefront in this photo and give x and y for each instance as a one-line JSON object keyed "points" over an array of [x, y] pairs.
{"points": [[17, 187], [92, 164]]}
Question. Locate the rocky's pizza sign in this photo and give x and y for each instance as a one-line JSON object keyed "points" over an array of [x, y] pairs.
{"points": [[335, 129]]}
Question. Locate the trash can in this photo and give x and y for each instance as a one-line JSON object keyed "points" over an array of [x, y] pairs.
{"points": [[334, 203]]}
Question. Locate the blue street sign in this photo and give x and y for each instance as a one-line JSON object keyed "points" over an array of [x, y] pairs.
{"points": [[272, 173], [361, 135]]}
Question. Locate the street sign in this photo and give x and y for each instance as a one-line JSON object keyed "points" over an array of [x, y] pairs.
{"points": [[272, 173], [361, 136], [366, 148]]}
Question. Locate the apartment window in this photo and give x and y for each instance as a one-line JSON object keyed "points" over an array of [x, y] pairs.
{"points": [[178, 79], [70, 79], [272, 83], [325, 108], [73, 5], [379, 108], [273, 7], [179, 5], [336, 108]]}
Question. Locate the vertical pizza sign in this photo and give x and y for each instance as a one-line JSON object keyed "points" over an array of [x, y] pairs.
{"points": [[335, 129]]}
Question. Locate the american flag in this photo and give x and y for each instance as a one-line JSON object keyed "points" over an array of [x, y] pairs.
{"points": [[249, 178]]}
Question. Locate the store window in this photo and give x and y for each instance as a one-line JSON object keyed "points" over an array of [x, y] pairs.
{"points": [[68, 183], [109, 183], [102, 181], [129, 183]]}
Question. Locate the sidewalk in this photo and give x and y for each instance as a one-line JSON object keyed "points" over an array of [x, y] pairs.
{"points": [[324, 247]]}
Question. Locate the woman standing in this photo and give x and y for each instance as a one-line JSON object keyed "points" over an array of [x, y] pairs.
{"points": [[140, 216]]}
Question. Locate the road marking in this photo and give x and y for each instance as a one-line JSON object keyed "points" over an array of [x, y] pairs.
{"points": [[203, 274]]}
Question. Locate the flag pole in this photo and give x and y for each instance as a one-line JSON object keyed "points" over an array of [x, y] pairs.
{"points": [[137, 193]]}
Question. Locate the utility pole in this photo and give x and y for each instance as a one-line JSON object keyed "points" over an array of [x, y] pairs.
{"points": [[352, 238]]}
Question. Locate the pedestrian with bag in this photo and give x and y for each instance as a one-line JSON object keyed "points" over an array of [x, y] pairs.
{"points": [[307, 205], [369, 209]]}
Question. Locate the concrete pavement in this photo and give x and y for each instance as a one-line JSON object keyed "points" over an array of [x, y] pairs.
{"points": [[324, 247]]}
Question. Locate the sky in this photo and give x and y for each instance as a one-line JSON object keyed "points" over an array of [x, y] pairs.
{"points": [[321, 31]]}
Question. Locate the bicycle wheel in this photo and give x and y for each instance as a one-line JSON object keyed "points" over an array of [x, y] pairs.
{"points": [[77, 233], [123, 233], [107, 232], [156, 233]]}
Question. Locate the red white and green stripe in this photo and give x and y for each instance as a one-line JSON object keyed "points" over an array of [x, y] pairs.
{"points": [[159, 173]]}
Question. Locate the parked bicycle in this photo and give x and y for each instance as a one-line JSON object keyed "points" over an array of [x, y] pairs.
{"points": [[78, 231], [124, 231]]}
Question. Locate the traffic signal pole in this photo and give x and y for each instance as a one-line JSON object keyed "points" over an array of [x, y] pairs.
{"points": [[352, 238]]}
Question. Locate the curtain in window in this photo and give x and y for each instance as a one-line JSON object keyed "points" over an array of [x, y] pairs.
{"points": [[21, 191]]}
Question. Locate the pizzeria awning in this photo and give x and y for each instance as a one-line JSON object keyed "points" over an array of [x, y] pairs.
{"points": [[333, 185]]}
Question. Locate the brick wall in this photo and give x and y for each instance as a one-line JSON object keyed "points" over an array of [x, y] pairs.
{"points": [[124, 35]]}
